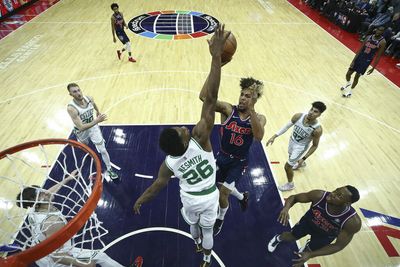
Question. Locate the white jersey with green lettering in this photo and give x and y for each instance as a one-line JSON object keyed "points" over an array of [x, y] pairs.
{"points": [[195, 169], [302, 134], [86, 113]]}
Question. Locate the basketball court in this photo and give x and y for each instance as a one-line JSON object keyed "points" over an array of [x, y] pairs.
{"points": [[298, 62]]}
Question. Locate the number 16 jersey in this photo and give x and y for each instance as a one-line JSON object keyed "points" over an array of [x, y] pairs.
{"points": [[195, 169]]}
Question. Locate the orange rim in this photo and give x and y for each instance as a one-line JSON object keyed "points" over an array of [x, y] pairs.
{"points": [[55, 241]]}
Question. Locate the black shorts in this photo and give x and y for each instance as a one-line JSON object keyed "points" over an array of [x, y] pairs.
{"points": [[122, 37], [317, 240], [230, 169], [361, 65]]}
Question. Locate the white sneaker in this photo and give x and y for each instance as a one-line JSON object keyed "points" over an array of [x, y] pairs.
{"points": [[286, 187], [273, 243], [347, 93], [345, 86], [296, 166], [398, 65]]}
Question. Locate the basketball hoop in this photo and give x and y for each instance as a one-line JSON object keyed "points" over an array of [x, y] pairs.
{"points": [[77, 205]]}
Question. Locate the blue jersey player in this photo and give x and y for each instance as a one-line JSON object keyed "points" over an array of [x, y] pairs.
{"points": [[330, 217], [240, 125], [117, 28], [372, 44]]}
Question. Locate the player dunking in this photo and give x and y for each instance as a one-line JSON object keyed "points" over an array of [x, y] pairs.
{"points": [[81, 110], [240, 125], [191, 160], [117, 27], [372, 44]]}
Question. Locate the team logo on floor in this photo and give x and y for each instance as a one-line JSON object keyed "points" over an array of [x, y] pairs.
{"points": [[173, 25]]}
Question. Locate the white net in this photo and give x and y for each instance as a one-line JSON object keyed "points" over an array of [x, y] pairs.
{"points": [[29, 213]]}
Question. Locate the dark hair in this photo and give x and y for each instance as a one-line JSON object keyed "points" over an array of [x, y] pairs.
{"points": [[170, 142], [72, 85], [319, 105], [355, 195], [114, 5], [27, 197], [251, 83]]}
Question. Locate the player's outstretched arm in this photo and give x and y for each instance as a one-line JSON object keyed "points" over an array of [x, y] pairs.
{"points": [[202, 130], [164, 174], [311, 196]]}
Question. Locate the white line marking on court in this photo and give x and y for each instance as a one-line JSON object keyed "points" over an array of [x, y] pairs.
{"points": [[196, 92], [115, 166], [143, 176], [159, 229]]}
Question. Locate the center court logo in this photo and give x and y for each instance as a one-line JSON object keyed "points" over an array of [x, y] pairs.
{"points": [[173, 25]]}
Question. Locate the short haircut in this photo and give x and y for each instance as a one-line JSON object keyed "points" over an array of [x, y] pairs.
{"points": [[251, 83], [27, 197], [171, 143], [70, 85], [355, 195], [319, 105], [114, 5]]}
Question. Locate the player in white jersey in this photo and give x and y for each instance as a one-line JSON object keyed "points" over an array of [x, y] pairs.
{"points": [[81, 109], [190, 159], [44, 219], [306, 130]]}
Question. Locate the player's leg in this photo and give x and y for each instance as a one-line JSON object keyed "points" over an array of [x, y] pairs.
{"points": [[224, 192], [82, 136], [300, 230], [206, 222], [127, 45], [295, 152], [239, 170], [97, 138], [350, 72]]}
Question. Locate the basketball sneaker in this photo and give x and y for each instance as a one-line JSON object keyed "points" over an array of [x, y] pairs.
{"points": [[199, 247], [131, 59], [112, 174], [286, 187], [244, 202], [205, 264], [296, 166], [119, 53], [273, 243], [218, 226], [347, 93]]}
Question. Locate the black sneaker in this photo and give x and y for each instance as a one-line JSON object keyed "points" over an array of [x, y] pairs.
{"points": [[199, 247], [218, 226], [243, 203], [205, 264], [273, 243]]}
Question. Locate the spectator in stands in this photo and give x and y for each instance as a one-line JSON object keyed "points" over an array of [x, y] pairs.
{"points": [[383, 19]]}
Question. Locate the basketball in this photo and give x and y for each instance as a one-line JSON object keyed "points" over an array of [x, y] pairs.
{"points": [[229, 49]]}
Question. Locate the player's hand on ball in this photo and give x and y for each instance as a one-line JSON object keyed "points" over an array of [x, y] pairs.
{"points": [[217, 42]]}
